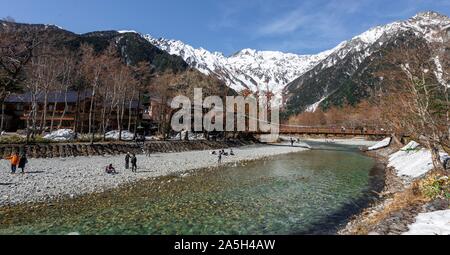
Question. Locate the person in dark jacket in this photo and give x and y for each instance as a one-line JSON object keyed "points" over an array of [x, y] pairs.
{"points": [[22, 162], [220, 158], [127, 161], [134, 163], [110, 169]]}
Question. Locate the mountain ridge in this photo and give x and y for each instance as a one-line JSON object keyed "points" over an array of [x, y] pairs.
{"points": [[246, 69], [323, 84], [278, 71]]}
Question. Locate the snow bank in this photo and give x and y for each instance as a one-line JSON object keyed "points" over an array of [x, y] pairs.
{"points": [[153, 138], [433, 223], [191, 136], [61, 135], [126, 135], [381, 144], [412, 161]]}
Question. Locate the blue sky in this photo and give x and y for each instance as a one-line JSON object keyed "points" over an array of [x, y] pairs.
{"points": [[303, 27]]}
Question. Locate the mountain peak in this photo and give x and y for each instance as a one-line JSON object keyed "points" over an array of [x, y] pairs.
{"points": [[246, 51], [430, 15], [245, 69]]}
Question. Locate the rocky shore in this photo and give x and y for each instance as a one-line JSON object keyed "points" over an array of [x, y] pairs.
{"points": [[50, 178], [397, 206]]}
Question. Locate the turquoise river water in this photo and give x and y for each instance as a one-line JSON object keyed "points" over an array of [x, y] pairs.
{"points": [[308, 192]]}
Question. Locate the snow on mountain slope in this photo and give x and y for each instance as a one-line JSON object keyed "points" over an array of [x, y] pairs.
{"points": [[306, 93], [246, 69], [273, 70], [426, 25]]}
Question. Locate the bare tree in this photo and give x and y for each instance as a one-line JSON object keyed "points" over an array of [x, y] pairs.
{"points": [[94, 69], [142, 73], [67, 77], [15, 54], [416, 102], [163, 86]]}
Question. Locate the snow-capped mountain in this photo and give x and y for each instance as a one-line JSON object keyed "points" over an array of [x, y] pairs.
{"points": [[281, 73], [426, 25], [246, 69], [346, 74]]}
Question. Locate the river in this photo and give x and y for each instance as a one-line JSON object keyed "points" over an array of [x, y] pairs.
{"points": [[309, 192]]}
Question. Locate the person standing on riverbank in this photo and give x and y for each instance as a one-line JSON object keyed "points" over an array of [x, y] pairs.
{"points": [[22, 162], [134, 163], [14, 159], [127, 161], [220, 158]]}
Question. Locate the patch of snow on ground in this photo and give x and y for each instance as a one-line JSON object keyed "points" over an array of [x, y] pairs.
{"points": [[439, 72], [126, 135], [313, 107], [191, 136], [412, 161], [152, 138], [433, 223], [381, 144], [60, 135]]}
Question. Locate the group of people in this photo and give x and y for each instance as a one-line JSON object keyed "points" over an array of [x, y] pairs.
{"points": [[293, 141], [222, 153], [18, 162], [129, 158]]}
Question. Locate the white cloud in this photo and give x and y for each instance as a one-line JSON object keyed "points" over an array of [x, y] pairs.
{"points": [[312, 17], [286, 24]]}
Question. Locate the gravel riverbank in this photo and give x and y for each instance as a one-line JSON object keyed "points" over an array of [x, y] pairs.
{"points": [[46, 179]]}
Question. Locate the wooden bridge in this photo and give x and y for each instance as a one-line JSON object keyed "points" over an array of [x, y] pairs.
{"points": [[298, 130]]}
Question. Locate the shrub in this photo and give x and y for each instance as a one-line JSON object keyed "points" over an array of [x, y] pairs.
{"points": [[17, 139], [435, 186], [14, 139]]}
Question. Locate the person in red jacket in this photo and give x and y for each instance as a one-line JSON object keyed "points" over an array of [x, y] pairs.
{"points": [[14, 159]]}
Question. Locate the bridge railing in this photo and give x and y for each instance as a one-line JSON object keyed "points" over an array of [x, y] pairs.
{"points": [[330, 130]]}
